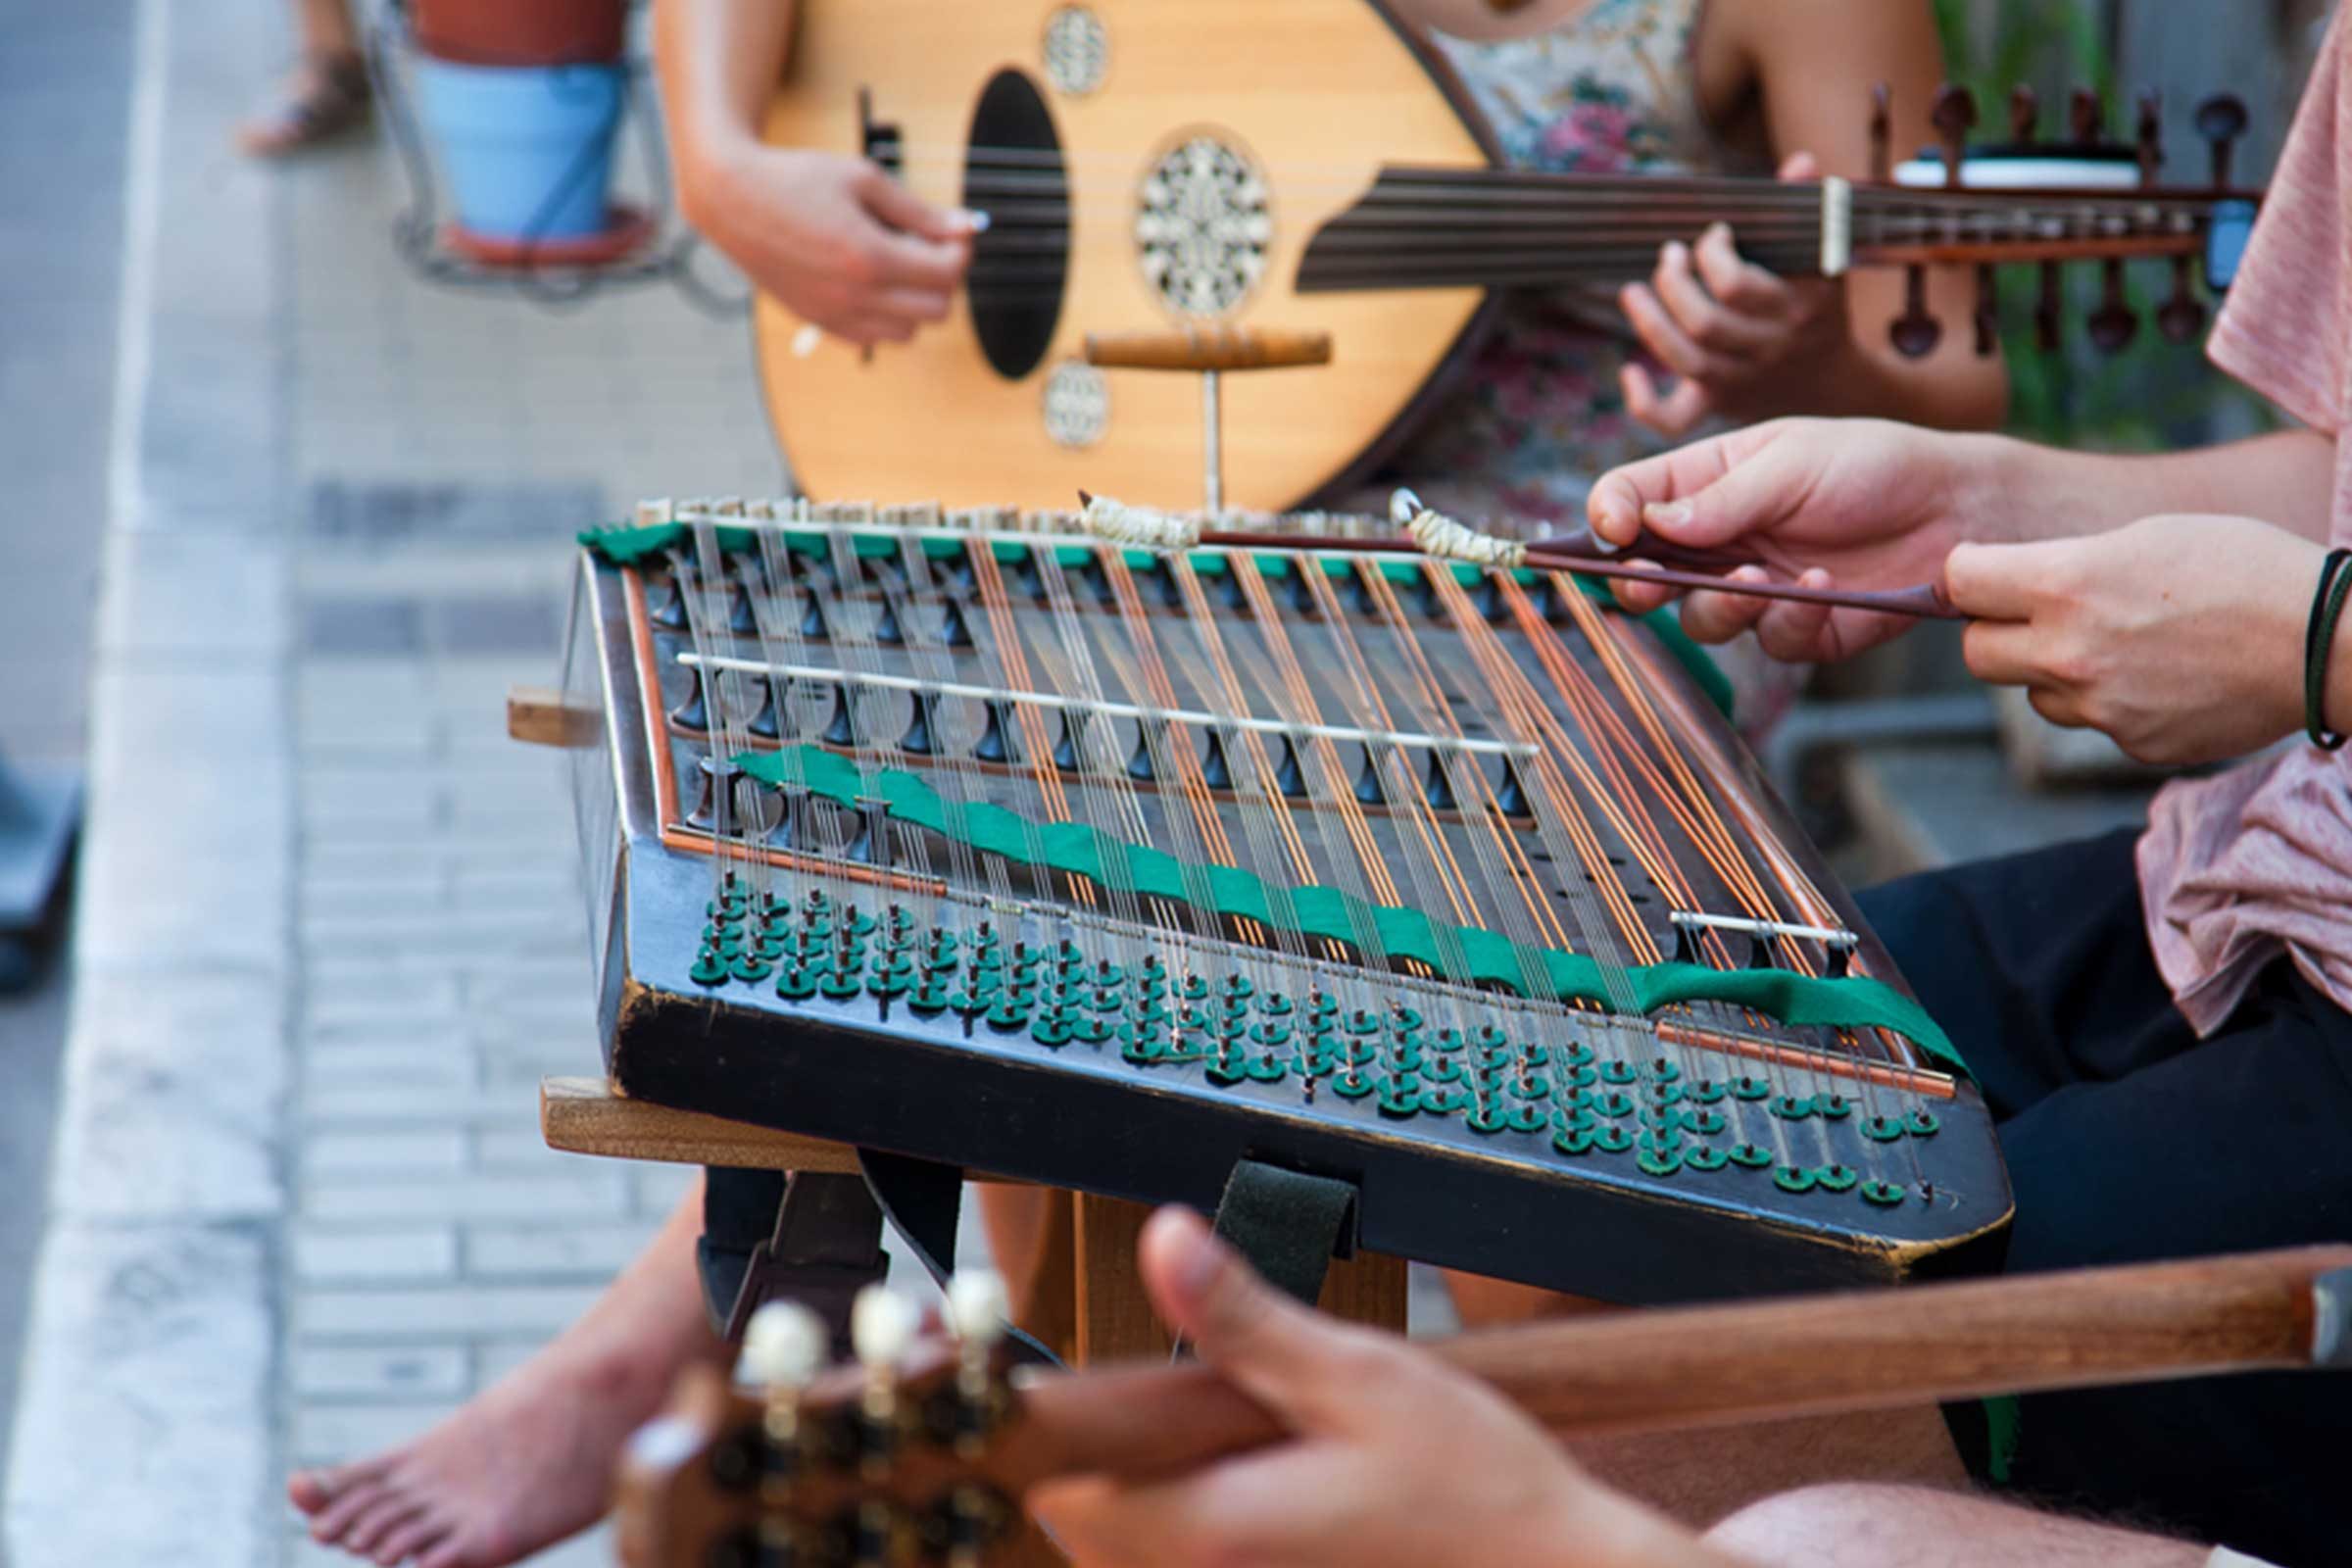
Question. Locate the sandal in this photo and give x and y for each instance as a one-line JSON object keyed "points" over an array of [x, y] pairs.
{"points": [[326, 96]]}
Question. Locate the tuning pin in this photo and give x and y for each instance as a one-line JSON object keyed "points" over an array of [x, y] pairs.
{"points": [[784, 1346], [978, 1308], [1882, 134], [1916, 332], [882, 1329], [2024, 115], [2221, 121], [2151, 136], [2049, 309], [2182, 317], [1954, 116], [2113, 326], [2086, 117], [1988, 312]]}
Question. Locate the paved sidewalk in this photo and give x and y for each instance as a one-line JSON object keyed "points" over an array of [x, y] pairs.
{"points": [[330, 932]]}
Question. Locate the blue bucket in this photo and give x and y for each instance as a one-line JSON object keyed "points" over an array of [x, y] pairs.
{"points": [[528, 149]]}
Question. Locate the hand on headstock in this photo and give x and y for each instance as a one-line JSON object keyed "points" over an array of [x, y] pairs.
{"points": [[1295, 1440]]}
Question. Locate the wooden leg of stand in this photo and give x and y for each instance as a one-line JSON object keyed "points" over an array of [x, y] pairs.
{"points": [[1369, 1287], [1115, 1321]]}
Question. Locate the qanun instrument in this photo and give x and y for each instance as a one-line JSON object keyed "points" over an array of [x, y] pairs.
{"points": [[926, 1451], [972, 837], [1316, 167]]}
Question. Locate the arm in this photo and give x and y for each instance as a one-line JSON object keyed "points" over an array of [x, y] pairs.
{"points": [[2178, 634], [1746, 343], [834, 238]]}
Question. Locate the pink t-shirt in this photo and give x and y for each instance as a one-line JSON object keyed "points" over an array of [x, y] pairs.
{"points": [[2239, 868]]}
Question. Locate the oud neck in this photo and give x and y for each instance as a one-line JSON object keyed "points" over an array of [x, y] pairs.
{"points": [[1496, 228], [1714, 1365]]}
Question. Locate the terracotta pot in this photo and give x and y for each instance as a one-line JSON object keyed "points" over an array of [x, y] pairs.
{"points": [[522, 32]]}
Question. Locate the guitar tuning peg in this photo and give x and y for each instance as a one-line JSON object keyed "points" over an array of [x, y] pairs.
{"points": [[2151, 135], [784, 1346], [2221, 121], [2025, 115], [2113, 326], [2086, 116], [1882, 134], [1916, 332], [882, 1328], [1988, 312], [978, 1308], [2182, 318], [2049, 309], [1954, 116]]}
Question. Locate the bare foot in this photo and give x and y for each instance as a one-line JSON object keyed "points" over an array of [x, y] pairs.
{"points": [[323, 97], [522, 1466]]}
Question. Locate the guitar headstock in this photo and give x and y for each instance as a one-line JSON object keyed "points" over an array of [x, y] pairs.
{"points": [[2085, 198], [885, 1464]]}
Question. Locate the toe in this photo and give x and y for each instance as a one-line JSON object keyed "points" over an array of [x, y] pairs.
{"points": [[392, 1509], [419, 1534], [352, 1492]]}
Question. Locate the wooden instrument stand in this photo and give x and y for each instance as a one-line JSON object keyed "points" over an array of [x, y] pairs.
{"points": [[1089, 1305]]}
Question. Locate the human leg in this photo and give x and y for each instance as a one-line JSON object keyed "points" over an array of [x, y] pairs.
{"points": [[1864, 1525], [325, 94], [530, 1460]]}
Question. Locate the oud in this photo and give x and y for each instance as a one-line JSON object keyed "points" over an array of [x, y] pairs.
{"points": [[925, 1452], [1315, 169]]}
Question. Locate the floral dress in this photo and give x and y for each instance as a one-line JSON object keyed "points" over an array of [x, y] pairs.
{"points": [[1540, 417]]}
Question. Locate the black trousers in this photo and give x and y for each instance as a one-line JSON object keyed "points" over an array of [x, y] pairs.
{"points": [[2130, 1140]]}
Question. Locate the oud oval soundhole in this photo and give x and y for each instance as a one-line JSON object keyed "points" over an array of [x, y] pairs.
{"points": [[1013, 171]]}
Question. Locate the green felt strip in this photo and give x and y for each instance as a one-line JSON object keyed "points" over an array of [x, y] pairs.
{"points": [[1085, 851]]}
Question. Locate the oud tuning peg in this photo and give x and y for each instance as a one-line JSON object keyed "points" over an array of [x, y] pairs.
{"points": [[978, 1306], [784, 1346], [2221, 121], [2113, 326], [1988, 312], [2049, 309], [882, 1329], [2025, 115], [2181, 317], [2151, 136], [1882, 134], [2086, 117], [1916, 332], [1953, 116]]}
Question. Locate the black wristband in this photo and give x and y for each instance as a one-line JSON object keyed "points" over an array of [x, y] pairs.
{"points": [[2319, 641]]}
